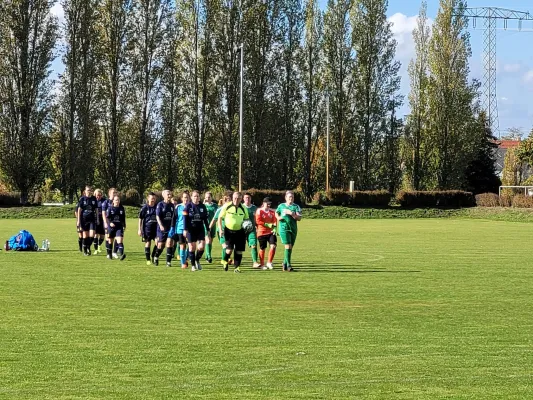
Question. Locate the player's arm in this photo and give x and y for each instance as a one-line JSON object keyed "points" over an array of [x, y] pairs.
{"points": [[78, 216], [219, 221], [158, 218], [186, 220], [141, 220], [297, 215], [104, 216], [279, 215], [215, 219], [206, 221], [123, 218], [258, 219]]}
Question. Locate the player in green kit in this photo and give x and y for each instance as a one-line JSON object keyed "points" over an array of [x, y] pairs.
{"points": [[211, 210], [252, 236], [288, 214]]}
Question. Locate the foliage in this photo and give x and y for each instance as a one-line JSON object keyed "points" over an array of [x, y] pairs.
{"points": [[513, 168], [487, 200], [521, 201], [450, 198], [377, 198], [277, 196], [131, 198]]}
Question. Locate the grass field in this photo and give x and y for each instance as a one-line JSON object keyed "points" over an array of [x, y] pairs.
{"points": [[380, 309]]}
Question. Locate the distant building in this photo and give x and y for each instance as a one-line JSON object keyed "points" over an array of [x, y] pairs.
{"points": [[503, 146]]}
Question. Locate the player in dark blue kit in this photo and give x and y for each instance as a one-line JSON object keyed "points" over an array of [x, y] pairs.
{"points": [[99, 236], [116, 217], [87, 219], [196, 226], [148, 227], [164, 215], [112, 192]]}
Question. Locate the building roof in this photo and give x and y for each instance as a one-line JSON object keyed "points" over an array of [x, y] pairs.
{"points": [[508, 144]]}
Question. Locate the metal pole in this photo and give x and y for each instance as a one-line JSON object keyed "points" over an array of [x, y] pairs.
{"points": [[327, 145], [240, 119]]}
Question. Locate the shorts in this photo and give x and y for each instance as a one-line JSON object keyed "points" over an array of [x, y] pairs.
{"points": [[100, 230], [288, 237], [267, 239], [235, 239], [87, 226], [116, 232], [252, 239], [195, 235], [149, 234], [178, 237], [161, 236]]}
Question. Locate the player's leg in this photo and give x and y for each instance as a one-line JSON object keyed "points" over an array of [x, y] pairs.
{"points": [[200, 246], [170, 248], [286, 239], [192, 251], [262, 246], [120, 245], [273, 244], [240, 246], [111, 233], [252, 242]]}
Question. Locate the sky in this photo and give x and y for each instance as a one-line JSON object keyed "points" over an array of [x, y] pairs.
{"points": [[514, 56]]}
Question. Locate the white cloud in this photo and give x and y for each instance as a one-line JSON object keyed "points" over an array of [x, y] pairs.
{"points": [[58, 11], [402, 29], [528, 76], [512, 68]]}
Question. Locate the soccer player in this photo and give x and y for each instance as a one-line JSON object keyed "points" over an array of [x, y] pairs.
{"points": [[116, 216], [265, 219], [288, 214], [196, 226], [210, 233], [164, 215], [87, 219], [177, 235], [99, 236], [148, 227], [112, 192], [252, 236], [233, 215]]}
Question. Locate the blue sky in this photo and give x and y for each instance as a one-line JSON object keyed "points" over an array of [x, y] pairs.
{"points": [[514, 54]]}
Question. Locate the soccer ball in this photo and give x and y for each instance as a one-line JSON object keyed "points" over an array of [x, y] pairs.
{"points": [[247, 226]]}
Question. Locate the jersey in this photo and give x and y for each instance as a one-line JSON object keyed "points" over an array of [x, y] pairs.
{"points": [[148, 217], [179, 222], [217, 214], [99, 209], [116, 216], [233, 216], [251, 212], [105, 205], [211, 210], [288, 223], [196, 217], [165, 212], [88, 208], [263, 217]]}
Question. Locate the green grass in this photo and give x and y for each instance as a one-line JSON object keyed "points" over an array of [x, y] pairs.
{"points": [[380, 309]]}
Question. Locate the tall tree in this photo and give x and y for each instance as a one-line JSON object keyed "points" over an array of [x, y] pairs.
{"points": [[416, 145], [114, 90], [312, 69], [149, 22], [28, 33], [376, 84], [78, 94], [451, 96], [338, 67]]}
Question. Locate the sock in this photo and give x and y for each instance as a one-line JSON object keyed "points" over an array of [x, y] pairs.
{"points": [[120, 249], [223, 254], [108, 246], [286, 257], [262, 256], [116, 247], [289, 257], [84, 245], [183, 258], [158, 252], [154, 251], [169, 254], [100, 241], [238, 259], [80, 243], [95, 242], [271, 254], [226, 256], [199, 254], [192, 256], [147, 253], [254, 254], [208, 248], [108, 250]]}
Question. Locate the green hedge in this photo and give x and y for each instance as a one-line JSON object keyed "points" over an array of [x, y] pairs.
{"points": [[449, 198], [9, 199], [376, 198]]}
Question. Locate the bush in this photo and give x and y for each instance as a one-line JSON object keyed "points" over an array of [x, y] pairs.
{"points": [[8, 199], [131, 198], [449, 198], [506, 200], [521, 201], [488, 200], [277, 196], [376, 198]]}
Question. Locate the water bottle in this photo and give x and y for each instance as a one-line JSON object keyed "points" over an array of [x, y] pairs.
{"points": [[47, 245], [43, 245]]}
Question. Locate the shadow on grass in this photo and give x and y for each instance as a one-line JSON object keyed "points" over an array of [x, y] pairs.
{"points": [[354, 271]]}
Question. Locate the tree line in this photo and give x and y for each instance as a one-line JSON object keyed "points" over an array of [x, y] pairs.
{"points": [[150, 96]]}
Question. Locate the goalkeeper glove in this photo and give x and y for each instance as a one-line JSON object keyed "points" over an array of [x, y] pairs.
{"points": [[268, 225]]}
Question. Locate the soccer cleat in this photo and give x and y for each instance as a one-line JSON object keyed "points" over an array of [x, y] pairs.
{"points": [[209, 260], [123, 256], [115, 256], [198, 266], [237, 270], [108, 257], [257, 265], [270, 266], [290, 269], [148, 263], [88, 253], [224, 264], [169, 264], [193, 268], [285, 268], [156, 261]]}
